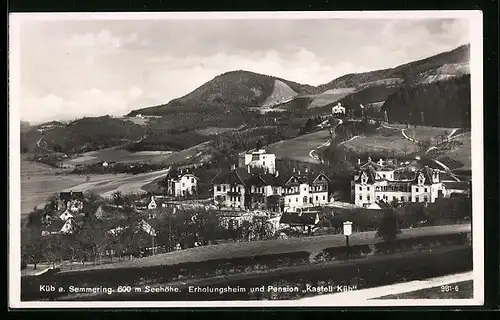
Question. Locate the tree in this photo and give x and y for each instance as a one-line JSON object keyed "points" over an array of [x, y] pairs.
{"points": [[32, 247], [388, 228], [118, 198]]}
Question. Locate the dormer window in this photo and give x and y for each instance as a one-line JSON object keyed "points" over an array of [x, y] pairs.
{"points": [[421, 179]]}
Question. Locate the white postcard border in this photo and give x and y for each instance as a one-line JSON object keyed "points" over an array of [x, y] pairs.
{"points": [[476, 67]]}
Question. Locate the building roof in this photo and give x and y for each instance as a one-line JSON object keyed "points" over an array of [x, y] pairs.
{"points": [[308, 178], [234, 176], [71, 196], [427, 173], [306, 218]]}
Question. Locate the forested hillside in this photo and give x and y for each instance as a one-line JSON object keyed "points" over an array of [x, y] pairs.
{"points": [[444, 103]]}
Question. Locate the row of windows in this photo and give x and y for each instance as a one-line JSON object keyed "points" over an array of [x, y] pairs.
{"points": [[305, 199], [394, 198], [311, 189], [400, 188], [237, 189]]}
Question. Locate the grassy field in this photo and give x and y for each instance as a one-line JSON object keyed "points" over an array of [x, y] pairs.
{"points": [[459, 290], [300, 147], [213, 130], [386, 140], [331, 96], [459, 150], [118, 155], [422, 132], [246, 249], [39, 182], [125, 183]]}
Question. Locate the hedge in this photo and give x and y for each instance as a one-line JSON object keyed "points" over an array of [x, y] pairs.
{"points": [[224, 267]]}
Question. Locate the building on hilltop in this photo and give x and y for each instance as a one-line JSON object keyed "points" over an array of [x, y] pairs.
{"points": [[388, 181], [338, 109], [259, 158]]}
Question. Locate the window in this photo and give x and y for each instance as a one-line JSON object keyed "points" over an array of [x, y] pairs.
{"points": [[416, 189], [368, 198], [360, 188], [183, 184], [218, 187], [323, 197], [417, 199], [394, 198], [383, 175], [368, 188], [425, 199], [402, 199], [224, 188], [192, 180], [316, 198], [360, 197], [378, 197], [289, 200], [296, 199], [425, 189]]}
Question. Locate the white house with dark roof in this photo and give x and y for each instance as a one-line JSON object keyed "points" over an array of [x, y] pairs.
{"points": [[307, 189], [258, 158], [380, 181], [182, 184]]}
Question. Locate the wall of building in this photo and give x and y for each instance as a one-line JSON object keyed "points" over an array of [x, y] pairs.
{"points": [[232, 201]]}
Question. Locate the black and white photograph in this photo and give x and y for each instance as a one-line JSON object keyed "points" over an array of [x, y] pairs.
{"points": [[239, 159]]}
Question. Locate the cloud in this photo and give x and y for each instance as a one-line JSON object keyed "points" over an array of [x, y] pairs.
{"points": [[91, 102]]}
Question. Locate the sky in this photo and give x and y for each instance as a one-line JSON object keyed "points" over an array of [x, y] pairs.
{"points": [[74, 68]]}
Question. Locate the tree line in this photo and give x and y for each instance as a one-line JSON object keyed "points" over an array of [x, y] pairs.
{"points": [[441, 104]]}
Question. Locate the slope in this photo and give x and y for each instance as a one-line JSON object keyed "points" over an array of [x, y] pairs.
{"points": [[413, 72], [234, 89]]}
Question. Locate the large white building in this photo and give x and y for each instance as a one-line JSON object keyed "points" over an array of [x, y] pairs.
{"points": [[305, 190], [382, 181], [259, 159], [338, 109], [181, 185]]}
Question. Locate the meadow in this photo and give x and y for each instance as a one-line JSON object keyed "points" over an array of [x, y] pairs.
{"points": [[117, 155], [39, 182], [299, 148], [386, 141], [331, 96], [459, 149]]}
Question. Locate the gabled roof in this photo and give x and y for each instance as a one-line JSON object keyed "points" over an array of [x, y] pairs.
{"points": [[307, 178], [427, 173], [236, 176], [306, 218], [273, 180], [370, 173]]}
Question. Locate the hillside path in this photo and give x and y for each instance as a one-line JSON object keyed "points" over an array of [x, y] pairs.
{"points": [[314, 153]]}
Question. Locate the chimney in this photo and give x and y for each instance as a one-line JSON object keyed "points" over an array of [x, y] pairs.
{"points": [[277, 173], [359, 161], [233, 167], [307, 170], [248, 169], [293, 170]]}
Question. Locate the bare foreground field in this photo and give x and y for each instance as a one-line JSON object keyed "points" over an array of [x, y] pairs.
{"points": [[39, 182], [253, 248], [300, 147]]}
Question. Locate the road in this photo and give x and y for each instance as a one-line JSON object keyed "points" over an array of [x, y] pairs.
{"points": [[313, 153]]}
